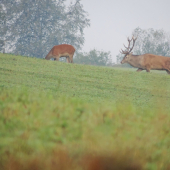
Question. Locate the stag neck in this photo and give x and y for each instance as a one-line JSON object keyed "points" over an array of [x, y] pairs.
{"points": [[135, 61]]}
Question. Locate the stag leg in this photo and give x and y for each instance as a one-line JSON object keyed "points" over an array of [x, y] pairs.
{"points": [[147, 70], [168, 71], [139, 69], [167, 67]]}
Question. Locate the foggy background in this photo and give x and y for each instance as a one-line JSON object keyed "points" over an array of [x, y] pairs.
{"points": [[113, 21], [96, 28]]}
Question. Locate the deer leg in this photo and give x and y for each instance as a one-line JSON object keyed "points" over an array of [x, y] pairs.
{"points": [[68, 61], [148, 68], [168, 71], [167, 67], [56, 58], [139, 69], [71, 58]]}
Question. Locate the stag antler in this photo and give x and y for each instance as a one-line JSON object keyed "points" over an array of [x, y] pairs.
{"points": [[128, 49]]}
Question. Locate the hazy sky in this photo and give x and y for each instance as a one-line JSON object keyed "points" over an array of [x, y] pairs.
{"points": [[112, 21]]}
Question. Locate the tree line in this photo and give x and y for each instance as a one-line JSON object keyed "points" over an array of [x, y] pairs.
{"points": [[32, 28]]}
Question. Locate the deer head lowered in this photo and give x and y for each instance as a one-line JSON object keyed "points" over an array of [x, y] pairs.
{"points": [[62, 50]]}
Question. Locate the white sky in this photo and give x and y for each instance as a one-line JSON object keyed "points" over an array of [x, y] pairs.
{"points": [[112, 21]]}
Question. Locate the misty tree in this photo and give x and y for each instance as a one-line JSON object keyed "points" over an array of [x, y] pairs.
{"points": [[37, 25], [94, 57], [8, 15], [2, 28], [150, 41]]}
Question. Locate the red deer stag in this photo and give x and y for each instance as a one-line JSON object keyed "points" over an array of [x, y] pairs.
{"points": [[63, 50], [146, 61]]}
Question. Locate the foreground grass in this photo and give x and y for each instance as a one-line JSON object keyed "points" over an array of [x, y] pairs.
{"points": [[49, 106], [41, 123]]}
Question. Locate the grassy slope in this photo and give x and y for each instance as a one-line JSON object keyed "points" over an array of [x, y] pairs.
{"points": [[45, 104], [88, 83]]}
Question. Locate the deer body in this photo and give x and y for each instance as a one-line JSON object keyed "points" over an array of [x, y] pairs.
{"points": [[146, 61], [63, 50]]}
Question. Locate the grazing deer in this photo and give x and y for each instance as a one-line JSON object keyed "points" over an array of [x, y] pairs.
{"points": [[146, 61], [63, 50]]}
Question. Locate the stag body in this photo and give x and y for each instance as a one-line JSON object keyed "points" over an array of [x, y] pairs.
{"points": [[146, 61], [63, 50]]}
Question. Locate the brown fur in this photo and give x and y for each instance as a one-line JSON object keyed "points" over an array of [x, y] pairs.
{"points": [[63, 50], [148, 62]]}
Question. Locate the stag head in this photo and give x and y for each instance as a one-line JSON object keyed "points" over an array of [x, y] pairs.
{"points": [[128, 50]]}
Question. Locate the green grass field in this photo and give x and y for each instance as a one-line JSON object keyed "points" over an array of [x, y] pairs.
{"points": [[48, 106]]}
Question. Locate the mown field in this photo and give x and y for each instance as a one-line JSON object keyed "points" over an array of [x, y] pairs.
{"points": [[56, 115]]}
